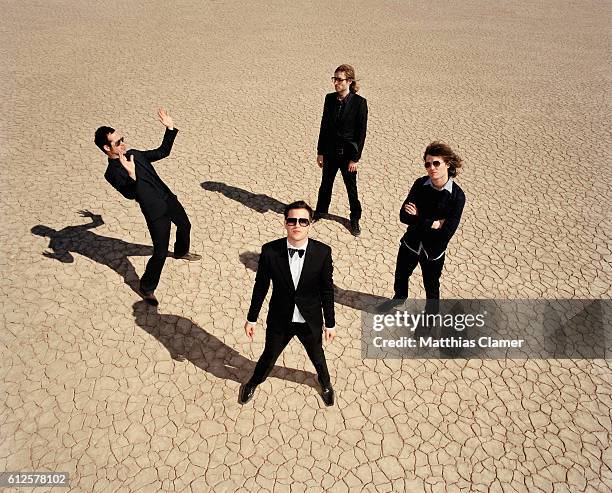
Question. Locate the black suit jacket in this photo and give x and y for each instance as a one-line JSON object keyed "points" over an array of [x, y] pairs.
{"points": [[432, 205], [314, 295], [349, 131], [148, 189]]}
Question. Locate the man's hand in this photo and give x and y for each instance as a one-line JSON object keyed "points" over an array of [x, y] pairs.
{"points": [[129, 166], [411, 209], [165, 118], [329, 334], [249, 330], [352, 167], [320, 160], [437, 224]]}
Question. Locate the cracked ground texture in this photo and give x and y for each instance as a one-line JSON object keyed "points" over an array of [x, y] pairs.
{"points": [[127, 399]]}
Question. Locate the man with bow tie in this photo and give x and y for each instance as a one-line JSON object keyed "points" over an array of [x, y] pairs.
{"points": [[302, 297]]}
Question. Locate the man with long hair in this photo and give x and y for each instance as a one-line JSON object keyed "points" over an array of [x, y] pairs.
{"points": [[341, 138]]}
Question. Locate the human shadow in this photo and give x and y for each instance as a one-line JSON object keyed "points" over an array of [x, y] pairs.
{"points": [[111, 252], [185, 340], [354, 299], [260, 202]]}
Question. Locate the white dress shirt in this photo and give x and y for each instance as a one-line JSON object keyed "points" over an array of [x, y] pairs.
{"points": [[296, 264]]}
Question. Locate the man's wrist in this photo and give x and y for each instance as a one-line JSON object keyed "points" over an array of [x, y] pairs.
{"points": [[252, 323]]}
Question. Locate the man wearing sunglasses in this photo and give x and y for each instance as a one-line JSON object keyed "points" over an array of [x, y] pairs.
{"points": [[132, 174], [432, 212], [341, 138], [302, 296]]}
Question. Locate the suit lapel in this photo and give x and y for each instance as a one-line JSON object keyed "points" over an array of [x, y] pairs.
{"points": [[118, 167], [307, 263], [283, 262], [347, 107]]}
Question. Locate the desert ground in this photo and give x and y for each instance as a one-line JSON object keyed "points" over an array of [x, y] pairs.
{"points": [[126, 398]]}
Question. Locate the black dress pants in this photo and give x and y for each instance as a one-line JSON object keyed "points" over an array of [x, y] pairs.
{"points": [[431, 270], [331, 165], [276, 341], [160, 234]]}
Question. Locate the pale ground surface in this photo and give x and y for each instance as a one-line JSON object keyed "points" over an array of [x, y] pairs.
{"points": [[89, 384]]}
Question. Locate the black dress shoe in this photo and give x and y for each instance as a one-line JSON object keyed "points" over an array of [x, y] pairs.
{"points": [[247, 393], [149, 298], [327, 394], [355, 229]]}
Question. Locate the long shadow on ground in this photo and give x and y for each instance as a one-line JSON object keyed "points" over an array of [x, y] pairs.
{"points": [[111, 252], [260, 202], [185, 340]]}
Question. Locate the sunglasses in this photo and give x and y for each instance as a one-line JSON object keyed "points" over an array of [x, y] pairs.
{"points": [[119, 142], [436, 164], [338, 79], [302, 221]]}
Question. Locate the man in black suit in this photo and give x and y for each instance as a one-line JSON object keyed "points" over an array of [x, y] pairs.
{"points": [[341, 138], [136, 179], [302, 296]]}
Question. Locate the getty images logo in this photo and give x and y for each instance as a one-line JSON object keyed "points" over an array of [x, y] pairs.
{"points": [[411, 321]]}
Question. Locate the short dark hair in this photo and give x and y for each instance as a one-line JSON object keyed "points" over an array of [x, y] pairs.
{"points": [[298, 204], [101, 138], [443, 150]]}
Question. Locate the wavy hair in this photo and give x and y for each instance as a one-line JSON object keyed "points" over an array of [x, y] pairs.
{"points": [[450, 157]]}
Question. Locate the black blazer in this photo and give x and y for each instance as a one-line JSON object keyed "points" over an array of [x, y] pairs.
{"points": [[349, 132], [314, 295], [432, 205], [148, 189]]}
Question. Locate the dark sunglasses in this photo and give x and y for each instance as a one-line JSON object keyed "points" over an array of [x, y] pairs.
{"points": [[338, 79], [302, 221], [119, 142], [436, 164]]}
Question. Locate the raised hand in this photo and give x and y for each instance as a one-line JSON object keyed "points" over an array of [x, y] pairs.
{"points": [[129, 166], [165, 118]]}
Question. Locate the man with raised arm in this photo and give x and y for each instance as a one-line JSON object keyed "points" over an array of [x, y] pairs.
{"points": [[132, 174]]}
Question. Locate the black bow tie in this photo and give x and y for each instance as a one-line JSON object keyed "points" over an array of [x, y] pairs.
{"points": [[300, 252]]}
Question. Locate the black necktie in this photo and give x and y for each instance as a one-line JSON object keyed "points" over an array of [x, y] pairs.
{"points": [[300, 252], [339, 109]]}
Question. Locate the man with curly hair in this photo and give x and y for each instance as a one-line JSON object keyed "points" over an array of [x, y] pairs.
{"points": [[432, 212]]}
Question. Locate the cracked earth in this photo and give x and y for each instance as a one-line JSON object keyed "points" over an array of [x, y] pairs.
{"points": [[129, 399]]}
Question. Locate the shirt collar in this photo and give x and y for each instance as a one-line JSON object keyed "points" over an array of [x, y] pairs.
{"points": [[346, 98], [448, 186], [303, 247]]}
